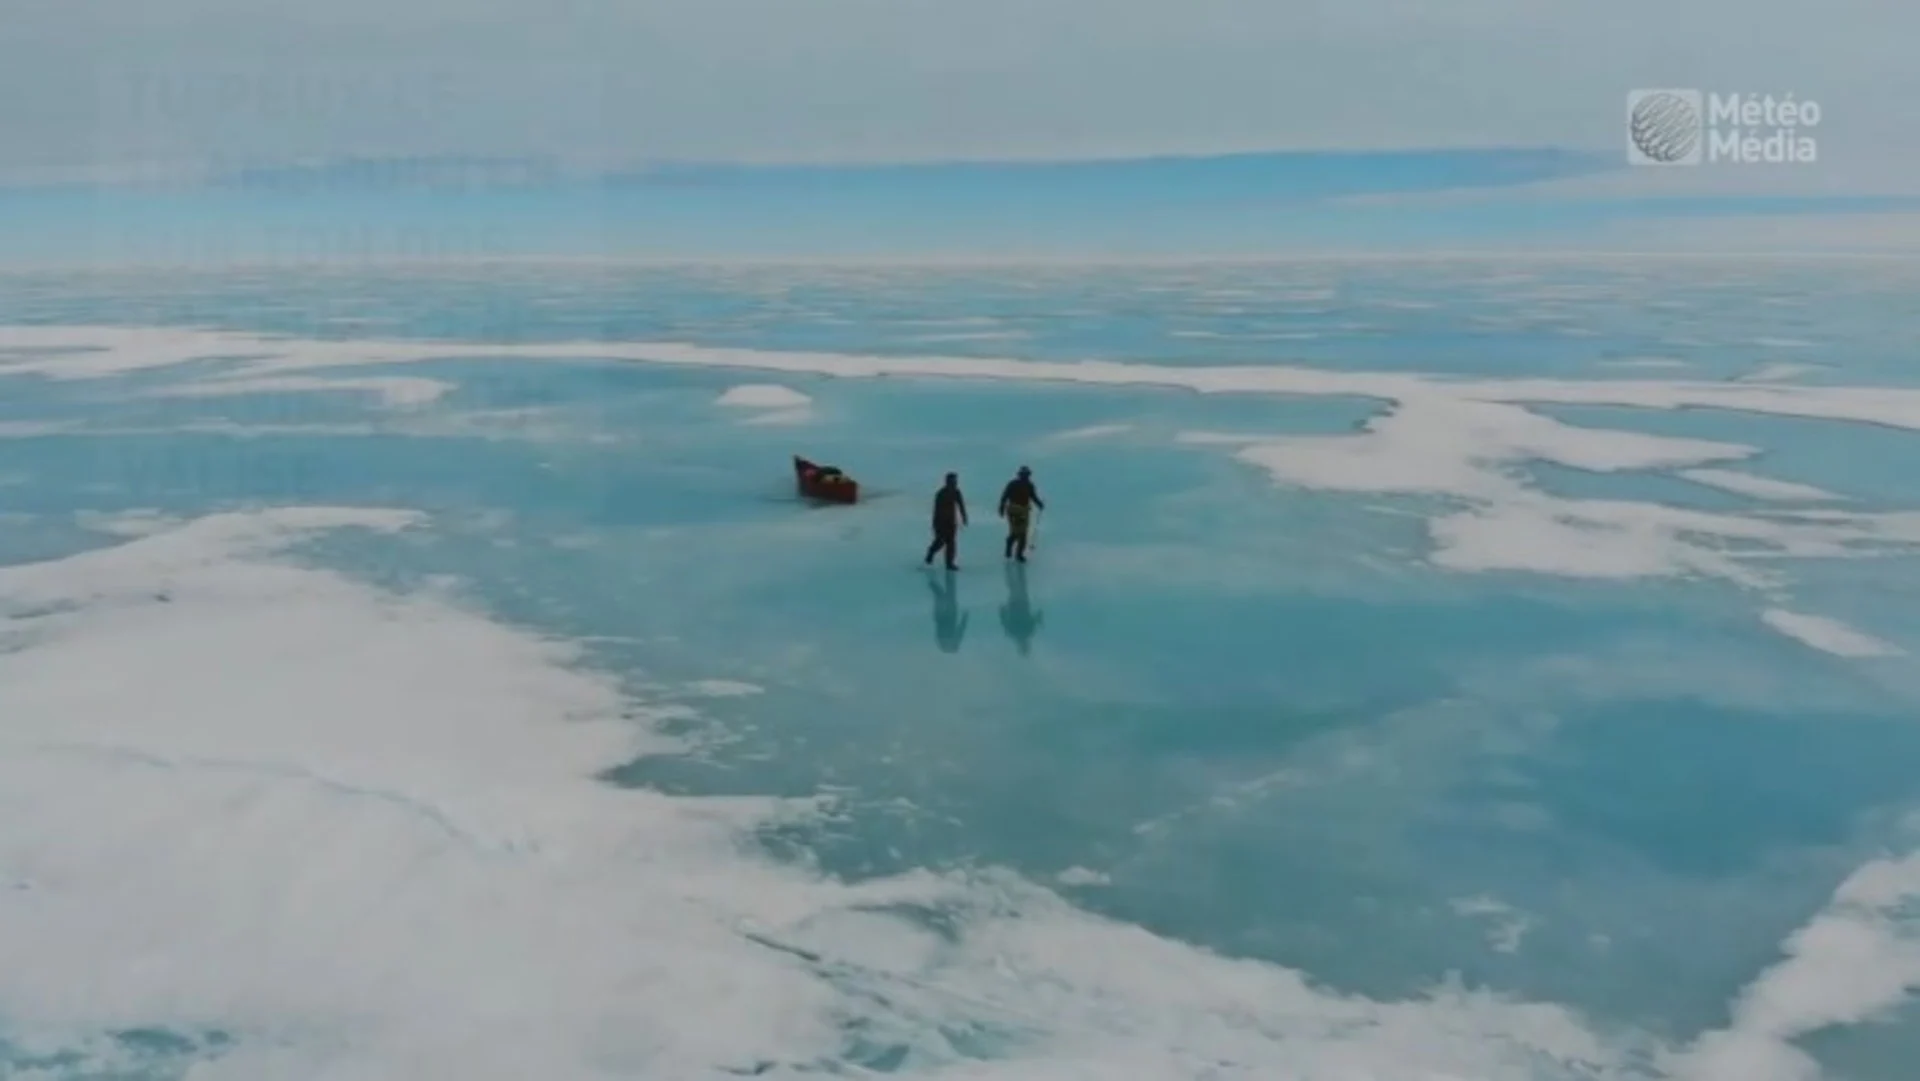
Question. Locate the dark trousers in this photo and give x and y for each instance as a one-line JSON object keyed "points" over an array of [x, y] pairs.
{"points": [[1019, 520], [944, 535]]}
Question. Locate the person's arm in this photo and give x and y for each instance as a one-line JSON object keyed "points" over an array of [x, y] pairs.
{"points": [[1037, 501], [961, 502]]}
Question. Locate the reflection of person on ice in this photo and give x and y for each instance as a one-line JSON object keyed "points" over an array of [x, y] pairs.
{"points": [[1017, 504], [949, 514], [949, 622], [1017, 616]]}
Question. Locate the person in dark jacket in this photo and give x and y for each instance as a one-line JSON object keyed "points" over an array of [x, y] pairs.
{"points": [[949, 514], [1017, 503]]}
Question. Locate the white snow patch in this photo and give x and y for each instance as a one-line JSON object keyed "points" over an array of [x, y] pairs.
{"points": [[1507, 926], [974, 336], [1441, 445], [1468, 451], [351, 829], [33, 429], [1828, 635], [1758, 487], [762, 396], [1856, 962], [775, 405], [116, 350], [1094, 431], [399, 392], [1644, 362], [1773, 373], [724, 688]]}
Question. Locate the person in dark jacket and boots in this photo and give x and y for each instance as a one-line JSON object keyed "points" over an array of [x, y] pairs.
{"points": [[949, 514], [1017, 503]]}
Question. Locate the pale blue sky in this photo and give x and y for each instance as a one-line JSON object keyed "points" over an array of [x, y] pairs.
{"points": [[113, 89], [100, 82]]}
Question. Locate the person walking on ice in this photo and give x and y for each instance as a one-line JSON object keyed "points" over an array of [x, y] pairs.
{"points": [[1017, 503], [949, 514]]}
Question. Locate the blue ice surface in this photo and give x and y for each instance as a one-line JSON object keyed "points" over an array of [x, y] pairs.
{"points": [[1190, 641]]}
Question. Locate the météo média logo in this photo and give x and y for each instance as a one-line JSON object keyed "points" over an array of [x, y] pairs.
{"points": [[1688, 127]]}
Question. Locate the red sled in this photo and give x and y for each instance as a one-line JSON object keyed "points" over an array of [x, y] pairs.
{"points": [[824, 483]]}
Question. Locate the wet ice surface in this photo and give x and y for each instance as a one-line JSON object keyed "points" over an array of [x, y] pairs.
{"points": [[1498, 670]]}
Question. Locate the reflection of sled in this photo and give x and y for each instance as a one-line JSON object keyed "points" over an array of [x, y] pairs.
{"points": [[824, 482]]}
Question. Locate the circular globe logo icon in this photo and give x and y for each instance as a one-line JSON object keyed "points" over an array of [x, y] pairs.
{"points": [[1664, 127]]}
